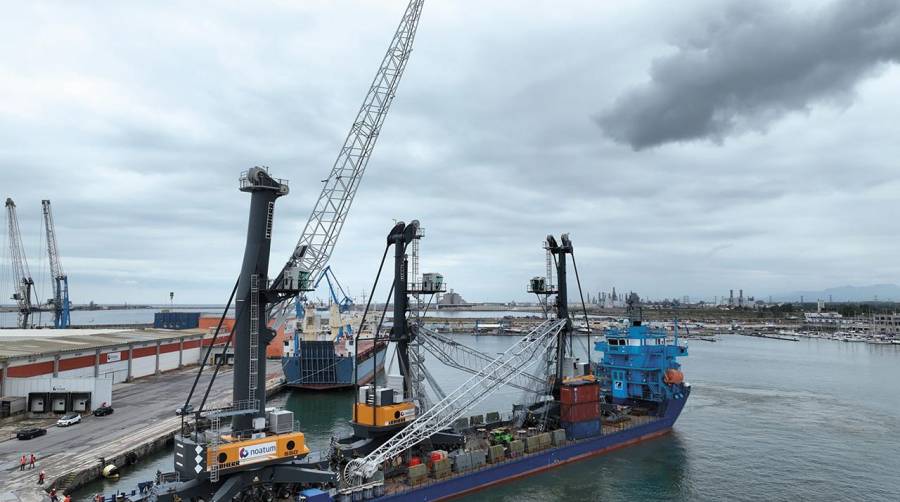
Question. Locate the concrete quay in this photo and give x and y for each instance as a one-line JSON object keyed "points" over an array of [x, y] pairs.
{"points": [[144, 421]]}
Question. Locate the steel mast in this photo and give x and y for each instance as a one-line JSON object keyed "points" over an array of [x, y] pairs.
{"points": [[320, 234], [60, 300], [22, 277]]}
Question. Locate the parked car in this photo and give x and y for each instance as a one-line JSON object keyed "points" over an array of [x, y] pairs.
{"points": [[102, 411], [30, 432], [67, 420]]}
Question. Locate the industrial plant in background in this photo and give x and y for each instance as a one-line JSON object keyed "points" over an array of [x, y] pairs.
{"points": [[23, 288]]}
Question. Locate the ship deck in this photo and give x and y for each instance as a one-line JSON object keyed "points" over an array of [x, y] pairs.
{"points": [[399, 485]]}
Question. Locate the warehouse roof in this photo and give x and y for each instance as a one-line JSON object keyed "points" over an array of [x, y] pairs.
{"points": [[17, 343]]}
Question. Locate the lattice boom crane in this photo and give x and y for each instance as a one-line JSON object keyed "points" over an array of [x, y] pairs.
{"points": [[320, 234], [24, 284], [60, 300]]}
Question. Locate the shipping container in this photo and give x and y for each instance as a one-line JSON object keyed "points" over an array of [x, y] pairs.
{"points": [[581, 430], [575, 394], [579, 412], [13, 405], [176, 320]]}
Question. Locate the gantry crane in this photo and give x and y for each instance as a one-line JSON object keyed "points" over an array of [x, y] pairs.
{"points": [[24, 284], [60, 300], [321, 232]]}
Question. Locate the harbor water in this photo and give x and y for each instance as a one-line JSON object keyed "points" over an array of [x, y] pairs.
{"points": [[767, 420]]}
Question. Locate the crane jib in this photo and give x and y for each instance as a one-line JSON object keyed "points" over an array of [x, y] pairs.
{"points": [[320, 234]]}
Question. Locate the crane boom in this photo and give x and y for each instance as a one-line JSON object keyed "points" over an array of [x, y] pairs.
{"points": [[60, 300], [482, 384], [324, 225], [24, 284]]}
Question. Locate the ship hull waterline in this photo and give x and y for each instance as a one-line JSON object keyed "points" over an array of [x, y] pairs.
{"points": [[466, 484]]}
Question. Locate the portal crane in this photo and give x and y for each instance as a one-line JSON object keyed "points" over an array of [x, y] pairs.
{"points": [[24, 284], [320, 234], [60, 300], [343, 302]]}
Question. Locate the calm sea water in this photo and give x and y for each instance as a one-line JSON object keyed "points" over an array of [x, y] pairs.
{"points": [[767, 420]]}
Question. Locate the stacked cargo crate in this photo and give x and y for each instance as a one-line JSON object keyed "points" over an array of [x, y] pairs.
{"points": [[580, 410]]}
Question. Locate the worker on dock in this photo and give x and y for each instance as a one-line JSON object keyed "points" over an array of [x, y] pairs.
{"points": [[22, 463], [53, 497], [31, 462], [41, 477]]}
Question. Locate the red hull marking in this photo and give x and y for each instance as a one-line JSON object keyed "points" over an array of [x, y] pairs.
{"points": [[583, 456]]}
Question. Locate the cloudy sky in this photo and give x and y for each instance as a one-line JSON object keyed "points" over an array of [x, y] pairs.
{"points": [[688, 148]]}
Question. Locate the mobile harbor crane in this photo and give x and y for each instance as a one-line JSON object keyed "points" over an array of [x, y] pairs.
{"points": [[24, 284], [262, 453]]}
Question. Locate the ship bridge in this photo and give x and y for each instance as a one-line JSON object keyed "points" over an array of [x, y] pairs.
{"points": [[639, 364]]}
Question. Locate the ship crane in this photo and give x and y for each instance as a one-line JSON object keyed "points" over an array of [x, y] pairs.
{"points": [[60, 300], [24, 284], [476, 389], [321, 232], [462, 357]]}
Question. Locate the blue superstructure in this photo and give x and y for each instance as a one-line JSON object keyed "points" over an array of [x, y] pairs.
{"points": [[639, 365]]}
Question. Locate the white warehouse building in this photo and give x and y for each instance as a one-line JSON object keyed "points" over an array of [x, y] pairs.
{"points": [[61, 370]]}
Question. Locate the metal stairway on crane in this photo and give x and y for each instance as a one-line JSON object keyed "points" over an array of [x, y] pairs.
{"points": [[502, 369]]}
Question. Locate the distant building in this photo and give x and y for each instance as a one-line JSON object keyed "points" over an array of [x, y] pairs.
{"points": [[452, 298], [886, 324], [823, 319]]}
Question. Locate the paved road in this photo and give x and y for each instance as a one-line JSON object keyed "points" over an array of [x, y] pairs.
{"points": [[142, 409]]}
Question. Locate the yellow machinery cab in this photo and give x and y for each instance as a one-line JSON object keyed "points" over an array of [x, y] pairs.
{"points": [[380, 410]]}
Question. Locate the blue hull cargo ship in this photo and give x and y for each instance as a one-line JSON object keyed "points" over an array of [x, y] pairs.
{"points": [[322, 364], [638, 395], [323, 356]]}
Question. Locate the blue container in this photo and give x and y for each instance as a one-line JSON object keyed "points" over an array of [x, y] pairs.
{"points": [[176, 320], [581, 430]]}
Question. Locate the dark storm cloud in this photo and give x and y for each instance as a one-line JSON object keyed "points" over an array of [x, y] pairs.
{"points": [[751, 64]]}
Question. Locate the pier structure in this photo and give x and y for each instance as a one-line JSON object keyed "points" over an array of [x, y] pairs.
{"points": [[144, 421]]}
